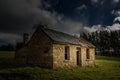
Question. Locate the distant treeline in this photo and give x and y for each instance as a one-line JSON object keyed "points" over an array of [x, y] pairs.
{"points": [[8, 47], [107, 42], [11, 47]]}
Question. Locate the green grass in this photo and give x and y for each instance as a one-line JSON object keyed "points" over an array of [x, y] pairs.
{"points": [[6, 59], [7, 54], [106, 69], [107, 58]]}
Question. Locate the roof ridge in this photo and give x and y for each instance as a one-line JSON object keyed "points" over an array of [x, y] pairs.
{"points": [[86, 42], [62, 37], [61, 32]]}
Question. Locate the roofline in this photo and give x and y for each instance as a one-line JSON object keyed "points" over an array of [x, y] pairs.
{"points": [[42, 29], [89, 43], [64, 43], [58, 42], [60, 32], [53, 41]]}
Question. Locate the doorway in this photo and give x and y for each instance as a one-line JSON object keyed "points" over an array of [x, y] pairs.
{"points": [[78, 56]]}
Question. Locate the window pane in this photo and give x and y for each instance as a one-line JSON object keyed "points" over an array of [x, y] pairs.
{"points": [[67, 53], [87, 54]]}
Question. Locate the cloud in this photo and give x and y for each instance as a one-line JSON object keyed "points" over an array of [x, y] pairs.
{"points": [[117, 19], [116, 12], [94, 1], [81, 7], [27, 13], [81, 12], [93, 28], [71, 27], [109, 4], [20, 7], [19, 16], [99, 3], [10, 38], [116, 1], [115, 26]]}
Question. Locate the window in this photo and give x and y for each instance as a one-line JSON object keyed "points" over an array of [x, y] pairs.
{"points": [[87, 54], [67, 55]]}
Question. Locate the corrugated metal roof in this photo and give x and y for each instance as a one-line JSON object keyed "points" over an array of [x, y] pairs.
{"points": [[62, 37], [85, 42]]}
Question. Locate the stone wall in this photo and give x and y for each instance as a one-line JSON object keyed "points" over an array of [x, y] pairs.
{"points": [[38, 51], [91, 61], [59, 56]]}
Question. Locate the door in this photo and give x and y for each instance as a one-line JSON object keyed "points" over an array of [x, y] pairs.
{"points": [[78, 56]]}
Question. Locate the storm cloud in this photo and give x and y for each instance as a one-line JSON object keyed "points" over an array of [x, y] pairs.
{"points": [[19, 16]]}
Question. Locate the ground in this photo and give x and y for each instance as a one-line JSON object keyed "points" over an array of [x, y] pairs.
{"points": [[107, 68]]}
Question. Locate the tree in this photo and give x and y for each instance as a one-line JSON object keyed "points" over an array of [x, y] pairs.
{"points": [[107, 43]]}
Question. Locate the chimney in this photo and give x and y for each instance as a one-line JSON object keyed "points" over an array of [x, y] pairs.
{"points": [[25, 38]]}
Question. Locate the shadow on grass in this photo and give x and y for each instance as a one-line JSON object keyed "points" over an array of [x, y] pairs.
{"points": [[14, 76], [7, 60], [108, 69], [9, 63]]}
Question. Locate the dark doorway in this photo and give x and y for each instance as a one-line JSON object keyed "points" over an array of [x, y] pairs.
{"points": [[78, 56]]}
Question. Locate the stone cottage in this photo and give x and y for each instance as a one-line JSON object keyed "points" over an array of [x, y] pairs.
{"points": [[48, 48]]}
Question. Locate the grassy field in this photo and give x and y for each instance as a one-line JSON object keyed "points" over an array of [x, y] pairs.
{"points": [[106, 69]]}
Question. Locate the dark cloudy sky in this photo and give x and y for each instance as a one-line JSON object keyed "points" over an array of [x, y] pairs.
{"points": [[70, 16]]}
